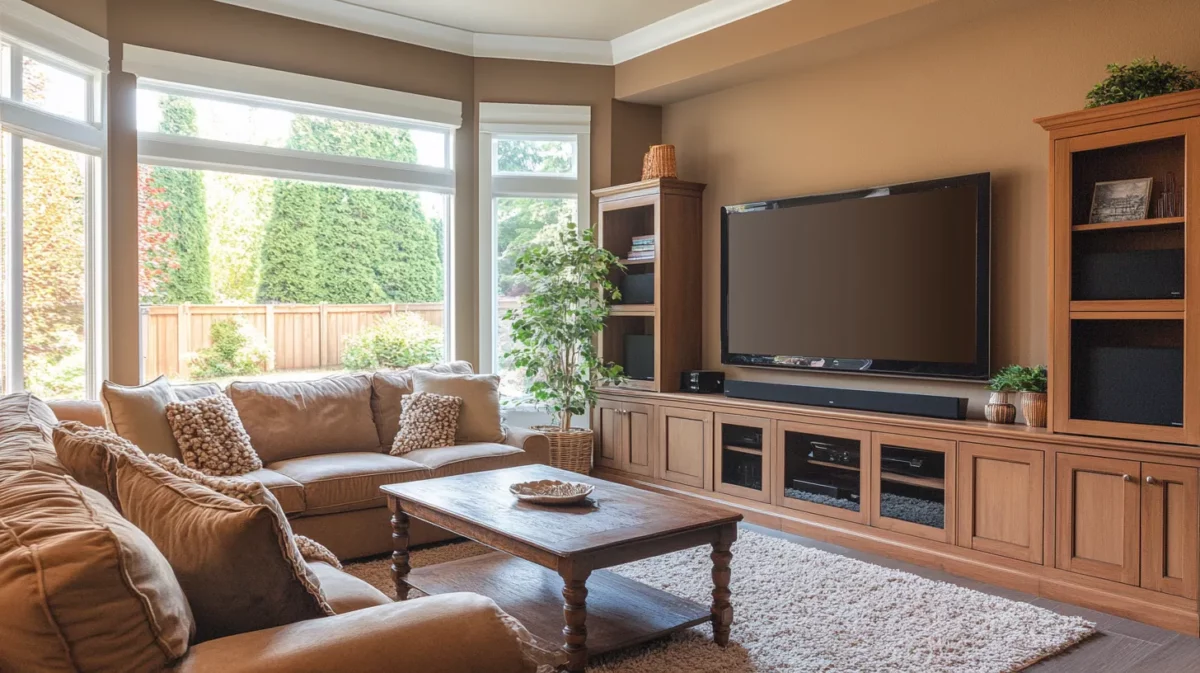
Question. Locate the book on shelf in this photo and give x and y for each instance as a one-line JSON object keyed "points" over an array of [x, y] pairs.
{"points": [[639, 257], [649, 238]]}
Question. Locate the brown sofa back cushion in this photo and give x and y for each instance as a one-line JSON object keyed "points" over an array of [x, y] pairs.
{"points": [[26, 425], [388, 389], [139, 413], [82, 589], [237, 562], [292, 419]]}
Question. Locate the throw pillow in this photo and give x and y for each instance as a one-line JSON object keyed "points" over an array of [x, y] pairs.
{"points": [[238, 488], [238, 563], [427, 421], [90, 455], [480, 393], [314, 551], [211, 437], [389, 386], [139, 413]]}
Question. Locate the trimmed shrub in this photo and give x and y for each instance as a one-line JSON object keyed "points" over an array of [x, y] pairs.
{"points": [[237, 350], [394, 342]]}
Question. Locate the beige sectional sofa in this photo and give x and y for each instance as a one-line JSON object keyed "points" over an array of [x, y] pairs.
{"points": [[324, 447], [82, 589]]}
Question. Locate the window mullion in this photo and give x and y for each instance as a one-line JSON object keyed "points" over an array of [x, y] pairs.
{"points": [[15, 264]]}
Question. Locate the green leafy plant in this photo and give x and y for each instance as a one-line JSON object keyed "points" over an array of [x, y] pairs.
{"points": [[553, 331], [1015, 378], [1141, 79], [237, 350], [394, 342]]}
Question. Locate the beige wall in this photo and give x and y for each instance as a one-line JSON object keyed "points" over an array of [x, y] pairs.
{"points": [[952, 102]]}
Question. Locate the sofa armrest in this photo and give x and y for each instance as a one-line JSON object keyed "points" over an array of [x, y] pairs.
{"points": [[87, 412], [450, 633], [531, 442]]}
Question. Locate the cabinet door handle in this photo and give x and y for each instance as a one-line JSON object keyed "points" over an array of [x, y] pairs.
{"points": [[1126, 477], [1151, 480]]}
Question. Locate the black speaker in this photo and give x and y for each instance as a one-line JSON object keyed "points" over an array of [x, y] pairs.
{"points": [[697, 381], [1127, 385], [637, 288], [1137, 274], [934, 406], [639, 356]]}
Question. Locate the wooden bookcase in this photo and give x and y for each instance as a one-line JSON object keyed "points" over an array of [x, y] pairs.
{"points": [[1125, 296], [669, 210]]}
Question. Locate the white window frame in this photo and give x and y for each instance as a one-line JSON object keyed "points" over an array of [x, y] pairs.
{"points": [[28, 30], [195, 77], [525, 122]]}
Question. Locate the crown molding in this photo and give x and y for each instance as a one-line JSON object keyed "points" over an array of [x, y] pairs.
{"points": [[41, 28], [350, 16]]}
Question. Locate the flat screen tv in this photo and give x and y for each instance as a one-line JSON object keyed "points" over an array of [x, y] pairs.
{"points": [[892, 280]]}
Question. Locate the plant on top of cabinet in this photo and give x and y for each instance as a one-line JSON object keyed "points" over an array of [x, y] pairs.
{"points": [[1000, 408], [1141, 79], [1031, 383]]}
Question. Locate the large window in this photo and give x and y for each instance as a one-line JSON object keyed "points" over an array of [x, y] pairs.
{"points": [[51, 216], [289, 239], [533, 173]]}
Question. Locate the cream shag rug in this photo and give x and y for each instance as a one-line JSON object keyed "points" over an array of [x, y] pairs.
{"points": [[798, 609]]}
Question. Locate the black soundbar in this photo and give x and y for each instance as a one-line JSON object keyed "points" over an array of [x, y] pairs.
{"points": [[933, 406]]}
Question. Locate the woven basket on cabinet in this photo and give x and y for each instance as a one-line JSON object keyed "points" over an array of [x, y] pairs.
{"points": [[571, 450], [659, 162]]}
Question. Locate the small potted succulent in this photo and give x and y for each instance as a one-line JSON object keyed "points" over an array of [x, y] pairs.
{"points": [[999, 408], [1030, 382]]}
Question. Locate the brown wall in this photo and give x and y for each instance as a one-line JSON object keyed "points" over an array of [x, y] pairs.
{"points": [[952, 102], [89, 14]]}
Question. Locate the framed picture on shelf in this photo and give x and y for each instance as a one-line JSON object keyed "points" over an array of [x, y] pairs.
{"points": [[1121, 200]]}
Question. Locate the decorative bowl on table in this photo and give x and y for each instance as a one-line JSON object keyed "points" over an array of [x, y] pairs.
{"points": [[551, 491]]}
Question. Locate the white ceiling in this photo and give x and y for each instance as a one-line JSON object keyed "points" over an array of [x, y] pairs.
{"points": [[576, 19], [602, 32]]}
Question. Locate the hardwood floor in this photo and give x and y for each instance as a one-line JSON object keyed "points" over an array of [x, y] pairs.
{"points": [[1121, 646]]}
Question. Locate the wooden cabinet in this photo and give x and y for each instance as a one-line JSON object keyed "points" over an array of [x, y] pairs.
{"points": [[1099, 517], [625, 436], [823, 469], [1001, 500], [743, 456], [685, 441], [912, 485], [1170, 553]]}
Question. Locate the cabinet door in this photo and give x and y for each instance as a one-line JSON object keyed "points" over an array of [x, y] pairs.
{"points": [[1098, 504], [1000, 500], [1169, 545], [823, 470], [637, 455], [609, 424], [743, 456], [685, 440], [912, 485]]}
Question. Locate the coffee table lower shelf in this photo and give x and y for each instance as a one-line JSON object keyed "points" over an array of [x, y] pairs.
{"points": [[620, 612]]}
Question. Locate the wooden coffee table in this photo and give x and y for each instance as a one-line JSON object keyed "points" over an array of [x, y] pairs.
{"points": [[548, 550]]}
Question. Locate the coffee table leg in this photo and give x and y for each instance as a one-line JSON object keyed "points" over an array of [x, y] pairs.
{"points": [[575, 615], [722, 610], [400, 565]]}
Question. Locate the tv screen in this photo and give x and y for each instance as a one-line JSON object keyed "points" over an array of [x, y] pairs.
{"points": [[893, 280]]}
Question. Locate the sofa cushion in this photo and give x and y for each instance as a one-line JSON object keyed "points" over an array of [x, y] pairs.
{"points": [[345, 482], [388, 389], [90, 456], [26, 424], [466, 458], [237, 562], [139, 413], [345, 592], [82, 589], [287, 491], [292, 419], [24, 411], [479, 420]]}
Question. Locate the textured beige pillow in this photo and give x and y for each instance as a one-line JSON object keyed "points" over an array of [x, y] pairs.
{"points": [[211, 437], [238, 563], [81, 588], [238, 488], [388, 386], [90, 455], [480, 393], [139, 413], [315, 552], [428, 421]]}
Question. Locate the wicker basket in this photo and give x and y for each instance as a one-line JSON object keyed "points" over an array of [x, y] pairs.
{"points": [[571, 450], [659, 162]]}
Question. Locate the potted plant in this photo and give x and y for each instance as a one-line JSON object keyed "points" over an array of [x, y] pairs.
{"points": [[1000, 408], [1141, 79], [1030, 382], [553, 333]]}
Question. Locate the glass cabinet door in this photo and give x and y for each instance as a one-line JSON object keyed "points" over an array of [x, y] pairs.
{"points": [[914, 495], [823, 470], [744, 458]]}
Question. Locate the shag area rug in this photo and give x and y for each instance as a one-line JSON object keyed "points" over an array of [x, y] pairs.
{"points": [[801, 610]]}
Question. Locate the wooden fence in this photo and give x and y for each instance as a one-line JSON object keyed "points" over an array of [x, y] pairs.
{"points": [[303, 336]]}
